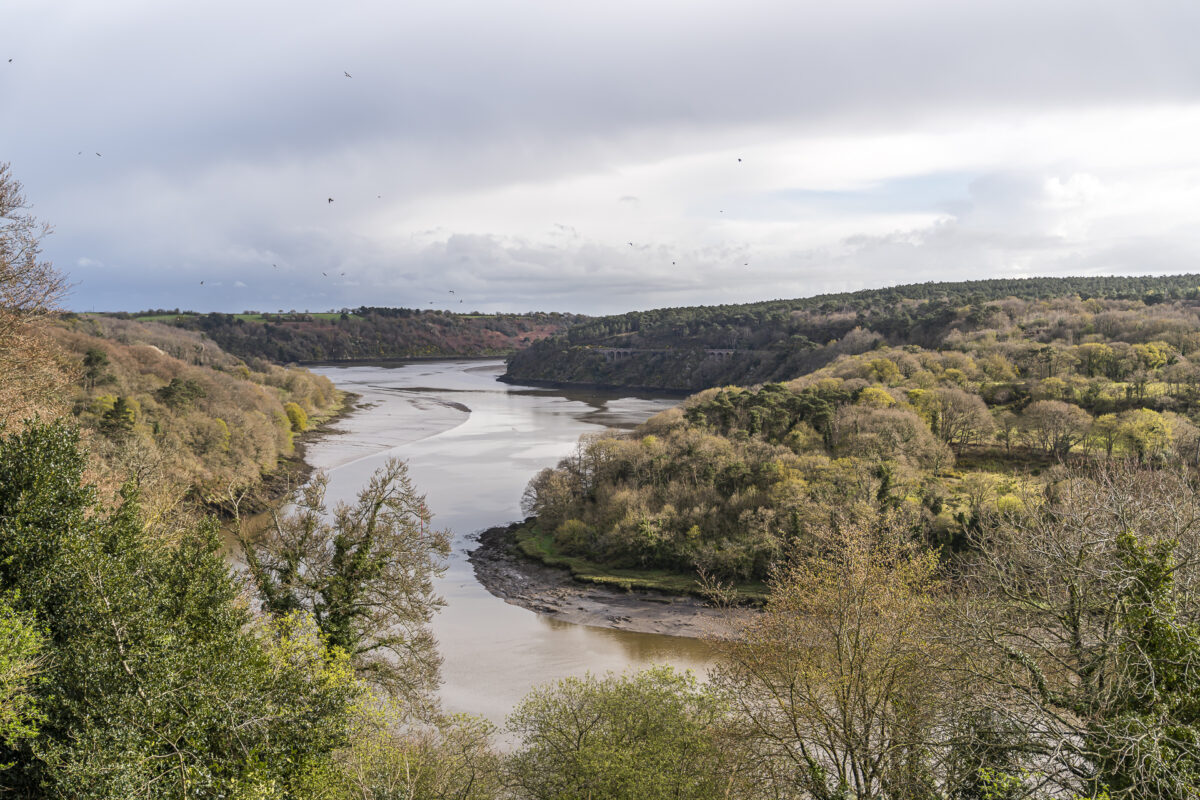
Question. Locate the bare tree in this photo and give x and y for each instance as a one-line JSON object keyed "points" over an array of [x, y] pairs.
{"points": [[835, 682], [1080, 623], [29, 285], [31, 370]]}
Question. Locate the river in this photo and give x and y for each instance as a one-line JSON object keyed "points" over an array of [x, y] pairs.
{"points": [[472, 443]]}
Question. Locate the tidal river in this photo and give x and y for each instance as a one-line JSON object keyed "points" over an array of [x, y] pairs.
{"points": [[472, 443]]}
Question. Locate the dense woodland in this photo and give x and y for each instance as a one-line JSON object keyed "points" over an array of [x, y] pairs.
{"points": [[673, 348], [982, 558], [367, 333], [728, 480]]}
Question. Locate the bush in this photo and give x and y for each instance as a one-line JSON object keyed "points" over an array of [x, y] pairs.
{"points": [[296, 417]]}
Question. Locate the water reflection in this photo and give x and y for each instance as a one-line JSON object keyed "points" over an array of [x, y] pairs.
{"points": [[472, 443]]}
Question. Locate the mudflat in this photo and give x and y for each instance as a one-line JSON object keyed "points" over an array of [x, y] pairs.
{"points": [[521, 581]]}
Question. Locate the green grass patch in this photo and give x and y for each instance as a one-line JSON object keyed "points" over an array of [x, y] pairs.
{"points": [[540, 547]]}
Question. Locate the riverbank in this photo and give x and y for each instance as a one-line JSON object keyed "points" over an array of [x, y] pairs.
{"points": [[293, 470], [521, 581]]}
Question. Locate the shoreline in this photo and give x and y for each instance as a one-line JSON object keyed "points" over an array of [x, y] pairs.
{"points": [[292, 471], [552, 591]]}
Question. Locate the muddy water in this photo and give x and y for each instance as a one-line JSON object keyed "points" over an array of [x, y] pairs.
{"points": [[472, 443]]}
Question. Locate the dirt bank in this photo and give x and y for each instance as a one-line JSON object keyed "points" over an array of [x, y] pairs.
{"points": [[509, 575]]}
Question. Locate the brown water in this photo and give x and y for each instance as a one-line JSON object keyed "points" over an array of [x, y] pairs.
{"points": [[472, 443]]}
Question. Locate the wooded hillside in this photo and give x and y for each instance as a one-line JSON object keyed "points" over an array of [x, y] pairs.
{"points": [[367, 333], [695, 348]]}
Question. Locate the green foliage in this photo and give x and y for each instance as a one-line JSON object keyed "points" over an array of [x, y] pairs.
{"points": [[369, 333], [117, 422], [180, 393], [156, 681], [195, 420], [652, 735], [366, 576], [296, 417], [20, 647], [1128, 328]]}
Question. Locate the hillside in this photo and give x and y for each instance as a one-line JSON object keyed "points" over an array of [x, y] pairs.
{"points": [[694, 348], [367, 333], [184, 416], [944, 437]]}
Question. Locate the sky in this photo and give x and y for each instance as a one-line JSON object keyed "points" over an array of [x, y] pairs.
{"points": [[595, 158]]}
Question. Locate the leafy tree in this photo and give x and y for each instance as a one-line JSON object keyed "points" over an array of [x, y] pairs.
{"points": [[20, 649], [117, 422], [94, 362], [652, 735], [296, 416], [180, 393], [156, 681], [366, 576]]}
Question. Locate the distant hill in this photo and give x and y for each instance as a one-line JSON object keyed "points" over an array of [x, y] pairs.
{"points": [[366, 333], [697, 347]]}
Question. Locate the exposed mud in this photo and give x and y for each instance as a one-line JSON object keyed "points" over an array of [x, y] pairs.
{"points": [[521, 581]]}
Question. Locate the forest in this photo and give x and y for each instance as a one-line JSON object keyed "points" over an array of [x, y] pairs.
{"points": [[980, 559], [690, 349], [364, 333], [727, 480]]}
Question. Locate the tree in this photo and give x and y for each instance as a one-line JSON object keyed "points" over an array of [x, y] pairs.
{"points": [[1146, 433], [94, 362], [959, 418], [833, 684], [366, 576], [34, 375], [1054, 426], [20, 660], [156, 680], [652, 735], [29, 286], [1082, 627], [451, 760]]}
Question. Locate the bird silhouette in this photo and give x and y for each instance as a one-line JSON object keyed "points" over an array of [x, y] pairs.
{"points": [[347, 74], [99, 155], [330, 200], [739, 161], [201, 283], [324, 275]]}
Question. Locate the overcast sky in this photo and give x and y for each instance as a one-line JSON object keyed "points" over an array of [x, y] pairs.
{"points": [[595, 157]]}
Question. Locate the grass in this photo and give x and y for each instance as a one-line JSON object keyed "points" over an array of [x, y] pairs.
{"points": [[540, 547]]}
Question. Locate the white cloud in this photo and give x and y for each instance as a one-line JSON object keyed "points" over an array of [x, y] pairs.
{"points": [[505, 148]]}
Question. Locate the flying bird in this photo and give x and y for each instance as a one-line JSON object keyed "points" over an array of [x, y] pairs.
{"points": [[201, 283], [99, 155], [739, 161], [330, 200], [347, 74]]}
